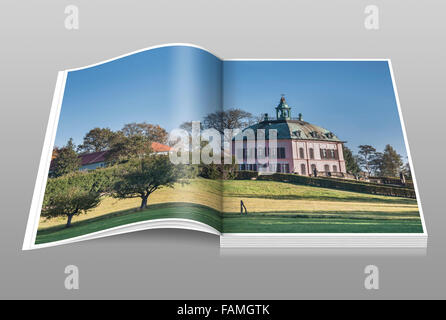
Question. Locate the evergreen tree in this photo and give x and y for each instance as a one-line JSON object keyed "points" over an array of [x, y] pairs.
{"points": [[66, 161], [391, 163], [351, 162]]}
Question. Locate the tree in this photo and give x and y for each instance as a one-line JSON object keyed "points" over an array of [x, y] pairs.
{"points": [[139, 178], [152, 132], [228, 119], [187, 125], [66, 160], [391, 163], [97, 139], [376, 161], [406, 170], [351, 162], [366, 155], [71, 195], [125, 148]]}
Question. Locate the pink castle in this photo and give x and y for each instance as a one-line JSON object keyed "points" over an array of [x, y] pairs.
{"points": [[302, 148]]}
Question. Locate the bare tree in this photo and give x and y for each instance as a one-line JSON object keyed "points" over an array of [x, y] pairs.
{"points": [[228, 119]]}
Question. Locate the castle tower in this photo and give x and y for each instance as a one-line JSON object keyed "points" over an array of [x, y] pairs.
{"points": [[283, 111]]}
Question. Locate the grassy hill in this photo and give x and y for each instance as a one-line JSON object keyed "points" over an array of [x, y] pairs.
{"points": [[272, 207], [195, 212], [199, 191], [284, 207]]}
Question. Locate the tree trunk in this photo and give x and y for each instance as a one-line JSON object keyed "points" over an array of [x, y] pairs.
{"points": [[70, 216], [144, 202]]}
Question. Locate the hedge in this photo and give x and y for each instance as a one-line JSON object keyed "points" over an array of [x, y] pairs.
{"points": [[409, 183], [393, 181], [246, 175], [346, 185]]}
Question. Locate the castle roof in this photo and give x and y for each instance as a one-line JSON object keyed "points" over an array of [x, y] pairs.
{"points": [[295, 129], [289, 128]]}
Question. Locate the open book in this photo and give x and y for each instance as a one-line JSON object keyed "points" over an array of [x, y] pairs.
{"points": [[262, 153]]}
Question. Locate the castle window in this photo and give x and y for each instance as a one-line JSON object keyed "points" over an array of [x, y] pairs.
{"points": [[324, 153], [281, 153], [311, 153], [327, 168], [332, 154], [301, 153], [335, 169]]}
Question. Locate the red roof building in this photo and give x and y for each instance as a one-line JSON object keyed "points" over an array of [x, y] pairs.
{"points": [[94, 160]]}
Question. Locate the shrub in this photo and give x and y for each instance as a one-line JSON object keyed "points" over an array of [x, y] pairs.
{"points": [[210, 171], [218, 171], [246, 175]]}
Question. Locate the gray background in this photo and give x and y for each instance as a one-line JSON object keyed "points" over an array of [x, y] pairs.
{"points": [[183, 264]]}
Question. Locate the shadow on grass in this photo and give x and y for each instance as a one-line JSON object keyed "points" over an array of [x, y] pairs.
{"points": [[123, 213]]}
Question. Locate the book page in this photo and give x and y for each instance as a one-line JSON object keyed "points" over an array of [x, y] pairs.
{"points": [[338, 161], [108, 160]]}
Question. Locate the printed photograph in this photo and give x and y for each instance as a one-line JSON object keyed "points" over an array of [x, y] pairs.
{"points": [[316, 146]]}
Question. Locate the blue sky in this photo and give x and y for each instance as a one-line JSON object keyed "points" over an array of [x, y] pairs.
{"points": [[165, 86], [353, 99], [170, 85]]}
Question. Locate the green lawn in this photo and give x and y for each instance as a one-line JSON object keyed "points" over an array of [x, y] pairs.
{"points": [[167, 210], [289, 191], [285, 207], [306, 224], [272, 207]]}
